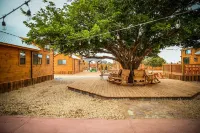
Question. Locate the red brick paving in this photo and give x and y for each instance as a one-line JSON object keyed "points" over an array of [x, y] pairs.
{"points": [[13, 124]]}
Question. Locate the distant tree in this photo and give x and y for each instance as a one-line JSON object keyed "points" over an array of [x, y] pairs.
{"points": [[154, 61]]}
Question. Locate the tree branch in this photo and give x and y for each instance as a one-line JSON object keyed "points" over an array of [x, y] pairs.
{"points": [[101, 57]]}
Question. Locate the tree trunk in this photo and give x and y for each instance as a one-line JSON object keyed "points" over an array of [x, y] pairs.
{"points": [[131, 66]]}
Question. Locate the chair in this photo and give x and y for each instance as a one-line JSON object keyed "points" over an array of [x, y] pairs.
{"points": [[153, 77], [139, 77], [123, 79], [113, 75]]}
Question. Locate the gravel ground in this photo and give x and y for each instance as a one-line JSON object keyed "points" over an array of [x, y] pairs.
{"points": [[53, 99]]}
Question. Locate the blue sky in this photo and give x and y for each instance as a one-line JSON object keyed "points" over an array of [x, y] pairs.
{"points": [[15, 24]]}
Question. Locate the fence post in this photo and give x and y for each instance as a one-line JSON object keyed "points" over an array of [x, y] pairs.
{"points": [[171, 68], [183, 71]]}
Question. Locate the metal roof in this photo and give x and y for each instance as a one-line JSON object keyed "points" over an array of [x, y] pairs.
{"points": [[15, 41], [75, 57], [197, 53]]}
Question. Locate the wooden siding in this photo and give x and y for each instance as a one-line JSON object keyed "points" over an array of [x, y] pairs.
{"points": [[71, 67], [44, 68], [10, 69], [13, 75], [191, 56], [76, 66], [65, 68]]}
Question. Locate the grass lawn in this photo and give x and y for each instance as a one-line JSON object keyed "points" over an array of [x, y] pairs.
{"points": [[53, 99]]}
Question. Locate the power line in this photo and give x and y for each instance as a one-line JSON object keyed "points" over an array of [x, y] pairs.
{"points": [[28, 13], [9, 33], [25, 3]]}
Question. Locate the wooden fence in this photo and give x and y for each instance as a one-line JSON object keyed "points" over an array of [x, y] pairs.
{"points": [[182, 72], [192, 69], [172, 68]]}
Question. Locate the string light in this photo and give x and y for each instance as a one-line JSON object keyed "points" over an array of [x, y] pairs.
{"points": [[132, 26], [28, 13], [140, 31], [100, 39], [4, 24], [118, 37], [178, 24]]}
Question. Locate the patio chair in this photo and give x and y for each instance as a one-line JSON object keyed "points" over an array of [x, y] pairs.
{"points": [[156, 76], [114, 75], [152, 77], [139, 77], [123, 79]]}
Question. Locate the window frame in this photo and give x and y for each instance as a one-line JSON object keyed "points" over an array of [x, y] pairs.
{"points": [[37, 61], [188, 60], [62, 62], [48, 59], [20, 57], [196, 59], [46, 48], [188, 53]]}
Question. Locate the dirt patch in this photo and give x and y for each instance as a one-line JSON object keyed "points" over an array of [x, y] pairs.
{"points": [[53, 99], [164, 109]]}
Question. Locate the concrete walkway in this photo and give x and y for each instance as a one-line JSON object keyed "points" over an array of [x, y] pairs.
{"points": [[10, 124]]}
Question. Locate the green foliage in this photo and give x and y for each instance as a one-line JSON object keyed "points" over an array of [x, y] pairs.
{"points": [[70, 28], [154, 61]]}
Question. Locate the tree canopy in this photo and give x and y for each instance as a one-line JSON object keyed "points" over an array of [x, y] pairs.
{"points": [[155, 61], [88, 27]]}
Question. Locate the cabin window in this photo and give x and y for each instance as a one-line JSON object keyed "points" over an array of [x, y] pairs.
{"points": [[37, 59], [62, 62], [188, 51], [186, 60], [22, 56], [48, 59], [195, 59]]}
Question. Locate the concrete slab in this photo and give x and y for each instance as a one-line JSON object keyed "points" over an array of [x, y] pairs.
{"points": [[12, 124]]}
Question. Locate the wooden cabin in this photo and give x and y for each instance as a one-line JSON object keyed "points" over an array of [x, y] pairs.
{"points": [[65, 64], [188, 70], [21, 64], [190, 56]]}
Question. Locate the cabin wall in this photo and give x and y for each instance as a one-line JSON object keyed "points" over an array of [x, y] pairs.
{"points": [[76, 66], [71, 67], [14, 76], [44, 68], [10, 69], [63, 69], [191, 56]]}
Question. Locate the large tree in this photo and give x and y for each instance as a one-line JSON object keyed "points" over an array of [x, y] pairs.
{"points": [[88, 27]]}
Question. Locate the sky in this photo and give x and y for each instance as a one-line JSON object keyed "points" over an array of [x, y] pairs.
{"points": [[14, 23]]}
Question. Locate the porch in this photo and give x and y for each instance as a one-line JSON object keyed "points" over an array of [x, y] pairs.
{"points": [[167, 89]]}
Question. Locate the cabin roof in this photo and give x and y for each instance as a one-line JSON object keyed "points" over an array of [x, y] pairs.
{"points": [[75, 57], [15, 41], [197, 53]]}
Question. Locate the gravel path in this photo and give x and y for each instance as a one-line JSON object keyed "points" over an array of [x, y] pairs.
{"points": [[53, 99]]}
